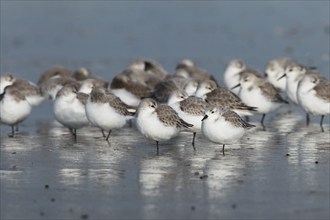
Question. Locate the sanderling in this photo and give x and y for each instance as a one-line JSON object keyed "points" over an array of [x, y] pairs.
{"points": [[6, 80], [231, 74], [177, 96], [187, 69], [191, 109], [69, 108], [163, 90], [30, 90], [50, 88], [54, 72], [81, 74], [313, 95], [128, 91], [14, 108], [88, 84], [151, 67], [158, 122], [191, 86], [258, 92], [106, 111], [293, 73], [223, 126], [224, 98], [137, 74], [274, 70], [205, 87]]}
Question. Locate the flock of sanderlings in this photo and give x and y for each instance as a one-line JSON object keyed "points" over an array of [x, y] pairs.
{"points": [[163, 104]]}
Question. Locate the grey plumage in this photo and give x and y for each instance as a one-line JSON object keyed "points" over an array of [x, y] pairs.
{"points": [[168, 116]]}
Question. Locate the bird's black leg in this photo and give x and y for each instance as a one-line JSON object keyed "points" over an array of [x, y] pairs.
{"points": [[157, 144], [223, 149], [262, 122], [71, 130], [17, 127], [307, 119], [321, 123], [103, 133], [108, 135], [193, 141], [12, 131], [74, 133]]}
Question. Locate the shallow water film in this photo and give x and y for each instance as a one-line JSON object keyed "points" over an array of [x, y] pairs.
{"points": [[282, 172]]}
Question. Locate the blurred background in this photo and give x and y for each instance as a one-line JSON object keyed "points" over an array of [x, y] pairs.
{"points": [[106, 36]]}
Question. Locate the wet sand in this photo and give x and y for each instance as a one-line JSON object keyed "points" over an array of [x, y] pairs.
{"points": [[282, 172]]}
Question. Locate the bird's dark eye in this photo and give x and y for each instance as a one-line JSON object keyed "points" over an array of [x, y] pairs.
{"points": [[212, 112], [152, 106], [290, 70]]}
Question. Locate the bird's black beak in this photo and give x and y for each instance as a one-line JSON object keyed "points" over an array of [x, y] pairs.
{"points": [[205, 117], [238, 85], [284, 75]]}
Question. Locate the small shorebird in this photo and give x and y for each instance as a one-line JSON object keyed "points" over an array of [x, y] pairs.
{"points": [[164, 89], [69, 108], [150, 67], [221, 97], [192, 110], [260, 93], [177, 96], [14, 107], [50, 88], [223, 126], [274, 70], [190, 86], [129, 91], [158, 122], [81, 74], [6, 80], [188, 70], [107, 111], [31, 91], [54, 72], [313, 95], [232, 74], [294, 72], [87, 85]]}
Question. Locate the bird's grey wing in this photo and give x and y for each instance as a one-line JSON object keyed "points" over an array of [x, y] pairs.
{"points": [[169, 117], [271, 93], [323, 90]]}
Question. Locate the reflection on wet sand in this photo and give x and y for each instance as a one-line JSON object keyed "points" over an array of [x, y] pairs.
{"points": [[153, 173], [263, 167], [75, 177]]}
